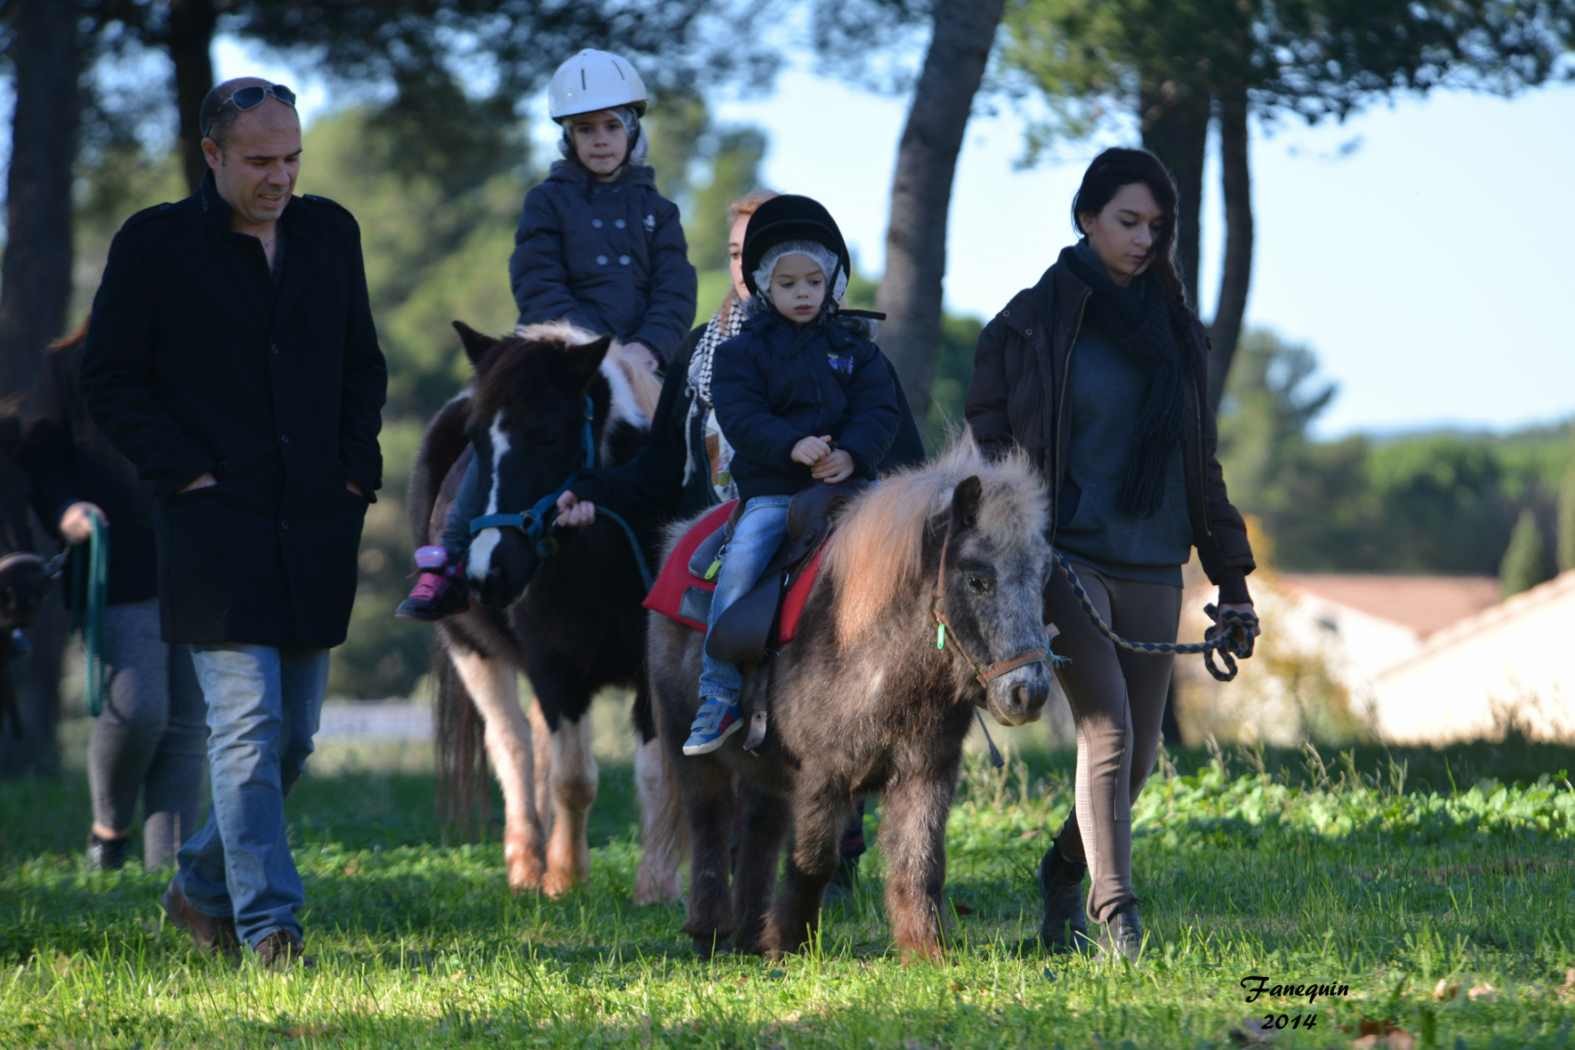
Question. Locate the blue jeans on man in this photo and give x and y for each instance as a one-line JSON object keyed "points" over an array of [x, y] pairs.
{"points": [[264, 704], [756, 536]]}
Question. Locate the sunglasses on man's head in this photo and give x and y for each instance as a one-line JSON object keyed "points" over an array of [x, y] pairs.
{"points": [[251, 97]]}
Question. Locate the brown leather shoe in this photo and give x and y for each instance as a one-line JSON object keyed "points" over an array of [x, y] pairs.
{"points": [[211, 935], [281, 950]]}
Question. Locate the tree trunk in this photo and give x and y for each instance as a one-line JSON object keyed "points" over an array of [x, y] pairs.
{"points": [[1236, 277], [35, 274], [910, 291], [190, 43], [1174, 117]]}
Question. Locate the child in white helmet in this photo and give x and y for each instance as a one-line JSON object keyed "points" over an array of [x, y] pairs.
{"points": [[598, 246]]}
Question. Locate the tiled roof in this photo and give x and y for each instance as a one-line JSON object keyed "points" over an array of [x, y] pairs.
{"points": [[1422, 603]]}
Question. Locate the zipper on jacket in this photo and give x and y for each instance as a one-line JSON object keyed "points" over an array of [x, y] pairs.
{"points": [[1203, 480], [1055, 457]]}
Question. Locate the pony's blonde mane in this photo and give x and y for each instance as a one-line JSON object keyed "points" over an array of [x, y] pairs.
{"points": [[635, 388], [877, 550]]}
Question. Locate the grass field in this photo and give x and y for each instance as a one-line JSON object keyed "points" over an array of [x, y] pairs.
{"points": [[1388, 873]]}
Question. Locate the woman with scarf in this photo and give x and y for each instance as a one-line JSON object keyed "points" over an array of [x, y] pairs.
{"points": [[1098, 374], [683, 468]]}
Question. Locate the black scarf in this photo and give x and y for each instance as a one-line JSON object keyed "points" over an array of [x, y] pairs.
{"points": [[1140, 321]]}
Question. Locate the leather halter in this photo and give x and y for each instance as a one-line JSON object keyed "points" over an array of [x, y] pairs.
{"points": [[983, 675]]}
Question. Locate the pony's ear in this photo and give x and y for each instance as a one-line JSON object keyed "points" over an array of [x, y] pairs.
{"points": [[585, 360], [476, 344], [965, 503]]}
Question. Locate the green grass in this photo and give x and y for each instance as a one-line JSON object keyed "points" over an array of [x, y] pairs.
{"points": [[1383, 871]]}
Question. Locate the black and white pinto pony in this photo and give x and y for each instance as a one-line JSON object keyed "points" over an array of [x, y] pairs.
{"points": [[561, 606], [865, 699]]}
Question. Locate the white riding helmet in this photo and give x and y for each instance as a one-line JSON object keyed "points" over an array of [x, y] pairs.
{"points": [[594, 80]]}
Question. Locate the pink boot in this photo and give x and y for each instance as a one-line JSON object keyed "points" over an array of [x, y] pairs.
{"points": [[439, 590]]}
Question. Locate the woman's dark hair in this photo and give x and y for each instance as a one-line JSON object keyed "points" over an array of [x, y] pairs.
{"points": [[1118, 167]]}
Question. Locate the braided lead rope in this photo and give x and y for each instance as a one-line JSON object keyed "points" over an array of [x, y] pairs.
{"points": [[1231, 636]]}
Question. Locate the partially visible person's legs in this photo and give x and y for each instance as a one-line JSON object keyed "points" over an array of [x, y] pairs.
{"points": [[172, 788], [1097, 832], [263, 707], [305, 683], [440, 588], [126, 735], [1148, 612], [1118, 699], [756, 536]]}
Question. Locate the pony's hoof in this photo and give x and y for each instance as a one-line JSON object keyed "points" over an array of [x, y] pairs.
{"points": [[524, 866], [525, 878], [920, 952], [558, 881], [709, 945], [657, 887], [752, 946]]}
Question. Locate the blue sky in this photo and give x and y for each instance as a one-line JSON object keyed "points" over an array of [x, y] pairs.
{"points": [[1429, 267]]}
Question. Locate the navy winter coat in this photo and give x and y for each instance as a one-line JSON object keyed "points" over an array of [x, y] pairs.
{"points": [[777, 382], [651, 485], [608, 256]]}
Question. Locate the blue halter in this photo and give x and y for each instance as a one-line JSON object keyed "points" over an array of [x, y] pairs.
{"points": [[535, 522]]}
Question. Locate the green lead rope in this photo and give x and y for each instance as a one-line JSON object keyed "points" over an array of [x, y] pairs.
{"points": [[90, 590]]}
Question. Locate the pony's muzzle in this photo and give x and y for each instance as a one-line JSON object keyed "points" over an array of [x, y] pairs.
{"points": [[1019, 697]]}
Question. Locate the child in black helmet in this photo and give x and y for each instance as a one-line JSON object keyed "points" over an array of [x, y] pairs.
{"points": [[801, 397]]}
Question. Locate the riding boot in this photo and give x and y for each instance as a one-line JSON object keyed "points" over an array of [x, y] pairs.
{"points": [[106, 854], [1124, 932], [1065, 927], [439, 590]]}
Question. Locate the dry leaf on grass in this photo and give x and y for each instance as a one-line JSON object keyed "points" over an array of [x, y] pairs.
{"points": [[1446, 989], [1482, 993], [1382, 1034], [1567, 990]]}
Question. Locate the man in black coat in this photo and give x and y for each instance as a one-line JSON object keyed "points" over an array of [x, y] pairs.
{"points": [[232, 358]]}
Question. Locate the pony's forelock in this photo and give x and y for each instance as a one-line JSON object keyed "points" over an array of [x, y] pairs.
{"points": [[877, 550], [634, 388]]}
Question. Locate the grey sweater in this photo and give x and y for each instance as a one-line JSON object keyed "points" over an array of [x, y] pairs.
{"points": [[1105, 388]]}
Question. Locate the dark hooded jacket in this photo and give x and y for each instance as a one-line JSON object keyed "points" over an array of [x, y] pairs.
{"points": [[68, 459], [652, 486], [777, 382], [1017, 396], [607, 256]]}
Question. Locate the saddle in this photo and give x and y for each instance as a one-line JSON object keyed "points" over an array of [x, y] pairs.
{"points": [[767, 617]]}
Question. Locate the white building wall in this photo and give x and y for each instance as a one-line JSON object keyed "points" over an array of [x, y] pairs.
{"points": [[1514, 662]]}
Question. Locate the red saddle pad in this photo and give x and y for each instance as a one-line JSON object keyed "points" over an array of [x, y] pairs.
{"points": [[667, 593]]}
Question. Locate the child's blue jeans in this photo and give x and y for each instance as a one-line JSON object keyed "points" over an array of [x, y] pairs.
{"points": [[756, 537], [468, 503]]}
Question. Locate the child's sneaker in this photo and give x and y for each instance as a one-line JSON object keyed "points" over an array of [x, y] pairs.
{"points": [[439, 590], [714, 723]]}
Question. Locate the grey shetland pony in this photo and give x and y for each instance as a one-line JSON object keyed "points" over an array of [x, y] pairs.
{"points": [[863, 700]]}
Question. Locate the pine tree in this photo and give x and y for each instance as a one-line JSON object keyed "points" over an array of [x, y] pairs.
{"points": [[1525, 561], [1566, 536]]}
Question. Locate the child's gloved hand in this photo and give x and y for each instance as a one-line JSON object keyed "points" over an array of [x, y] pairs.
{"points": [[811, 450], [838, 466], [574, 513]]}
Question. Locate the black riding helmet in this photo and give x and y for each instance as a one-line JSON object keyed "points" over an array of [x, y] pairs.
{"points": [[791, 217]]}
